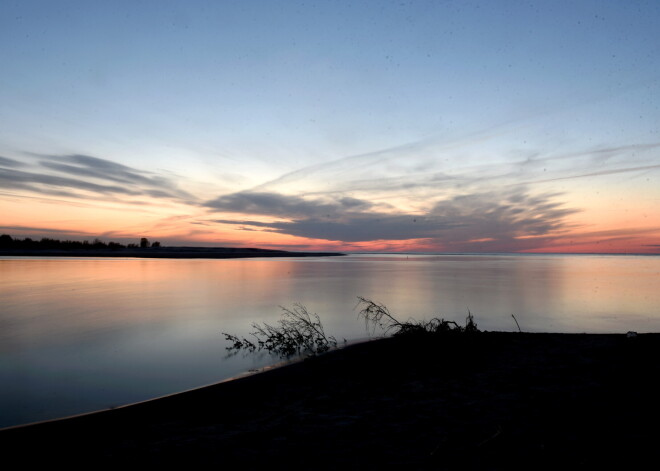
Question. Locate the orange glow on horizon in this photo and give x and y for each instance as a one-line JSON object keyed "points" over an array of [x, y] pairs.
{"points": [[604, 225]]}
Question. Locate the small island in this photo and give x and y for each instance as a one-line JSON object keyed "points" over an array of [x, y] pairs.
{"points": [[47, 247]]}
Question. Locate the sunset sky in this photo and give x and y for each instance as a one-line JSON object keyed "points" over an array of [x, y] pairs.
{"points": [[444, 126]]}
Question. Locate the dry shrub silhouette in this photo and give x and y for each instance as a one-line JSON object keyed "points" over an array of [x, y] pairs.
{"points": [[378, 315], [296, 332], [299, 332]]}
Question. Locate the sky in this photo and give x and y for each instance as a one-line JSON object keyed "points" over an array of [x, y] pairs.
{"points": [[415, 126]]}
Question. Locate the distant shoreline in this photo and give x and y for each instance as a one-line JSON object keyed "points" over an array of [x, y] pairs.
{"points": [[166, 252]]}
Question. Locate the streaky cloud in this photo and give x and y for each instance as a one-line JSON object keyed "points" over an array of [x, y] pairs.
{"points": [[67, 175], [43, 231], [120, 177], [29, 180], [94, 167], [599, 173], [366, 159], [425, 148], [358, 228], [286, 206], [434, 168], [7, 162]]}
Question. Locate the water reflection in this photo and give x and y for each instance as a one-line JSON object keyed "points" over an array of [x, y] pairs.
{"points": [[83, 334]]}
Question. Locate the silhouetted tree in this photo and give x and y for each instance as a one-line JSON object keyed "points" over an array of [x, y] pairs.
{"points": [[144, 243], [6, 240], [46, 243], [155, 244]]}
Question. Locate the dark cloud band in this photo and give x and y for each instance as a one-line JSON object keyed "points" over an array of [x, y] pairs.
{"points": [[464, 222]]}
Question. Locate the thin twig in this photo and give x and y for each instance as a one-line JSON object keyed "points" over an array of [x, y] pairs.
{"points": [[514, 318]]}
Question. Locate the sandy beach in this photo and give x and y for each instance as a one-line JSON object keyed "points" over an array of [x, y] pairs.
{"points": [[487, 401]]}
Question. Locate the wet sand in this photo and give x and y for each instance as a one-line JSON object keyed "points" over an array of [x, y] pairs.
{"points": [[488, 401]]}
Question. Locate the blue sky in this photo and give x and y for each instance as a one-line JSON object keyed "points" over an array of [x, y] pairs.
{"points": [[404, 106]]}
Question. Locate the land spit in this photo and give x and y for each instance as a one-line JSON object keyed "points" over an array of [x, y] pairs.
{"points": [[165, 252]]}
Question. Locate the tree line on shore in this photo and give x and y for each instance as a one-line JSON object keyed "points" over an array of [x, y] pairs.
{"points": [[46, 243]]}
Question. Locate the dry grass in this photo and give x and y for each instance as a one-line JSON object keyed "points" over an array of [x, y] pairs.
{"points": [[296, 332], [378, 315]]}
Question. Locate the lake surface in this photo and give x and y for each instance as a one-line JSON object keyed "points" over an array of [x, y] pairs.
{"points": [[82, 334]]}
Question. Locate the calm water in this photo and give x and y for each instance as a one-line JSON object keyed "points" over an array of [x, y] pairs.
{"points": [[83, 334]]}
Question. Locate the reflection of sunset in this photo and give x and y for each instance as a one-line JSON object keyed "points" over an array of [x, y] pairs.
{"points": [[82, 334], [79, 294], [62, 298]]}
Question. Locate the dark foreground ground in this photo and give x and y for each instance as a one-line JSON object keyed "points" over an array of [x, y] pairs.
{"points": [[490, 401]]}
